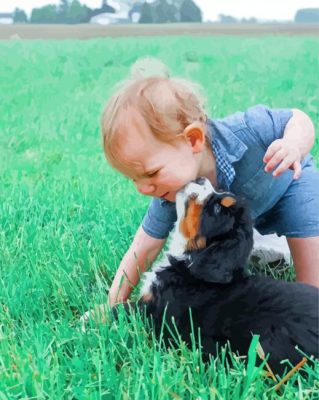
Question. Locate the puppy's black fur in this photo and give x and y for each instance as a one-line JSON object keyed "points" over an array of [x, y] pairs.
{"points": [[226, 303]]}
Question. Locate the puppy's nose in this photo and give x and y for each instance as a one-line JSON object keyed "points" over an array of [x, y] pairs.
{"points": [[193, 196]]}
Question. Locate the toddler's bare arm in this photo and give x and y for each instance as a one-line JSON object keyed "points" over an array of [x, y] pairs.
{"points": [[141, 254]]}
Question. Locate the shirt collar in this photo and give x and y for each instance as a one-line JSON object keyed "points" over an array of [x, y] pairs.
{"points": [[227, 149], [231, 147]]}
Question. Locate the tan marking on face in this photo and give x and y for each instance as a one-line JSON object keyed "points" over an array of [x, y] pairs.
{"points": [[189, 226], [228, 201], [190, 223]]}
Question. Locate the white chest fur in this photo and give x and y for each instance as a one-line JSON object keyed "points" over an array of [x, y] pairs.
{"points": [[178, 243], [176, 248]]}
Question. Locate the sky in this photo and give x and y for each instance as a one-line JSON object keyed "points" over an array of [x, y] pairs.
{"points": [[262, 9]]}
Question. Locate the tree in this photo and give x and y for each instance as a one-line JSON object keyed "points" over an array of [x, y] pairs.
{"points": [[73, 12], [227, 19], [19, 16], [251, 20], [190, 12], [44, 15], [307, 15], [64, 6], [63, 10], [177, 3], [77, 13], [68, 12], [164, 12], [146, 16]]}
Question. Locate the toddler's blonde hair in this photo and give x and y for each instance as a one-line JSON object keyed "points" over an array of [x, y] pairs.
{"points": [[168, 105]]}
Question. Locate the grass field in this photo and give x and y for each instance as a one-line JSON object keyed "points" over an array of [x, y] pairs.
{"points": [[66, 218]]}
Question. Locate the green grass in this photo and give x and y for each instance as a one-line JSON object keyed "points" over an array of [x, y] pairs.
{"points": [[65, 223]]}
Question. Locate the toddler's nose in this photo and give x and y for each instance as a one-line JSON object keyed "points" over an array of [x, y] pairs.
{"points": [[145, 189]]}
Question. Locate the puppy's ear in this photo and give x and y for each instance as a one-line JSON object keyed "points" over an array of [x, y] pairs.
{"points": [[228, 201]]}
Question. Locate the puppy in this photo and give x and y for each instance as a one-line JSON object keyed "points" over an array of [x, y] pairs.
{"points": [[206, 273]]}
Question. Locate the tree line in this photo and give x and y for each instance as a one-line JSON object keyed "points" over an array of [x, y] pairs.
{"points": [[305, 15], [160, 11], [74, 12]]}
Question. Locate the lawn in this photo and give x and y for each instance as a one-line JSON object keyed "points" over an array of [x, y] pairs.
{"points": [[66, 218]]}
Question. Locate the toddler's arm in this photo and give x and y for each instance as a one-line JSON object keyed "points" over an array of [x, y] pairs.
{"points": [[288, 152], [142, 252]]}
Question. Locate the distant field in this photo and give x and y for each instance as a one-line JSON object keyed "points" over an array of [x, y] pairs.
{"points": [[88, 31], [66, 218]]}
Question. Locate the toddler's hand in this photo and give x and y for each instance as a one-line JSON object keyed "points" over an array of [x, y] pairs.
{"points": [[283, 154]]}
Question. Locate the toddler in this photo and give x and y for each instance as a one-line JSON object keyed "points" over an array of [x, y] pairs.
{"points": [[156, 132]]}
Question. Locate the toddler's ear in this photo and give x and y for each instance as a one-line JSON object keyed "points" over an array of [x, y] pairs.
{"points": [[195, 134]]}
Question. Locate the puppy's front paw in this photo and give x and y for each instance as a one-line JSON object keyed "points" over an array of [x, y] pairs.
{"points": [[97, 314]]}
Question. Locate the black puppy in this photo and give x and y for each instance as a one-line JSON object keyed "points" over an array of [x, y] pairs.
{"points": [[206, 273]]}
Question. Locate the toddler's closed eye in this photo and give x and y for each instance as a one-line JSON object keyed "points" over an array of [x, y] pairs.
{"points": [[152, 173]]}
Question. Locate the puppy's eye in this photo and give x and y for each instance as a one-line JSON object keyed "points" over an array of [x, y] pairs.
{"points": [[217, 208]]}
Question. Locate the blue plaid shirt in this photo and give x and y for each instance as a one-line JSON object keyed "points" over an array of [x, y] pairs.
{"points": [[225, 171], [239, 143]]}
